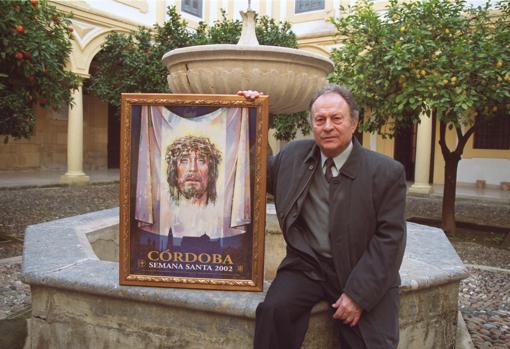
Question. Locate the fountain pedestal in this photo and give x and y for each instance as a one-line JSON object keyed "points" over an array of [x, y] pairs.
{"points": [[77, 301]]}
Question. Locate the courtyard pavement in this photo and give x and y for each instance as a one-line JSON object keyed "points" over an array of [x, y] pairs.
{"points": [[43, 178]]}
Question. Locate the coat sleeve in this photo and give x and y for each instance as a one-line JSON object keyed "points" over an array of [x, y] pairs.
{"points": [[377, 269]]}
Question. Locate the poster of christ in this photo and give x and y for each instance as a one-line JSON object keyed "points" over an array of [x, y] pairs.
{"points": [[192, 191]]}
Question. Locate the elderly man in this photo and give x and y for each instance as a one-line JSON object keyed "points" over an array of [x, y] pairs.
{"points": [[341, 210], [193, 170]]}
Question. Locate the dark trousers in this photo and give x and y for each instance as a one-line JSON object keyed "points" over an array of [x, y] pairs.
{"points": [[282, 319]]}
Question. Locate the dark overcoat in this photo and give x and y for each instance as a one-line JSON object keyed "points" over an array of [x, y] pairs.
{"points": [[366, 226]]}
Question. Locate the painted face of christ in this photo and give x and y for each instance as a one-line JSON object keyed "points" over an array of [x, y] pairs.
{"points": [[193, 176], [193, 169]]}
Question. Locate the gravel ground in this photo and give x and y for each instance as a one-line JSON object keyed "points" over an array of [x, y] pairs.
{"points": [[15, 295], [484, 297], [22, 207], [470, 211], [484, 300]]}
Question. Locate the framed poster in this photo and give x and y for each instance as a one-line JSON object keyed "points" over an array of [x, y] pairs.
{"points": [[192, 191]]}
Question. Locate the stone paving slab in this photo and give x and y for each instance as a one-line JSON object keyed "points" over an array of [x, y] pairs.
{"points": [[45, 178]]}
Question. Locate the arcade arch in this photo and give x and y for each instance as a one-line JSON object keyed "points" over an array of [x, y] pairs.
{"points": [[92, 138]]}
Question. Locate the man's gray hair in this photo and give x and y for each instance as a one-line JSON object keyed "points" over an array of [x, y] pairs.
{"points": [[343, 91]]}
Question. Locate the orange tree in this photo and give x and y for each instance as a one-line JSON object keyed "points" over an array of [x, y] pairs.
{"points": [[132, 62], [441, 57], [34, 45]]}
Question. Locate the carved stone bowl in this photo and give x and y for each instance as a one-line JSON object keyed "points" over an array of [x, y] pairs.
{"points": [[288, 76]]}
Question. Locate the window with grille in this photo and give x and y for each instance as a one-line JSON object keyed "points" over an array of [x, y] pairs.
{"points": [[193, 7], [494, 135], [309, 5]]}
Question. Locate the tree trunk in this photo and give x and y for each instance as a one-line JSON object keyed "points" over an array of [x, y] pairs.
{"points": [[450, 187], [452, 158]]}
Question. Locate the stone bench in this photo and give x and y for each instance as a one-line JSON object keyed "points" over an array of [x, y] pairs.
{"points": [[77, 301]]}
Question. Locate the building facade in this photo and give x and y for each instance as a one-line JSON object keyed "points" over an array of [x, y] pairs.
{"points": [[86, 136]]}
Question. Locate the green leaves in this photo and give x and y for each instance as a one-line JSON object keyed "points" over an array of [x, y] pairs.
{"points": [[34, 46], [287, 125], [132, 63], [224, 32], [270, 32], [424, 54], [128, 63]]}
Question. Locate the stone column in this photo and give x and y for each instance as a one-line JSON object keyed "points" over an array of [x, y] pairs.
{"points": [[75, 174], [422, 164]]}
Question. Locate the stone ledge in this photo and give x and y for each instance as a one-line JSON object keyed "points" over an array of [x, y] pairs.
{"points": [[429, 258], [58, 260]]}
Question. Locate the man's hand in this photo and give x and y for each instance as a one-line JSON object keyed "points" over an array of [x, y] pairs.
{"points": [[347, 310], [249, 94]]}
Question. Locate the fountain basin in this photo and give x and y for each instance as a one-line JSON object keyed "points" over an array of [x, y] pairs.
{"points": [[288, 76], [77, 301]]}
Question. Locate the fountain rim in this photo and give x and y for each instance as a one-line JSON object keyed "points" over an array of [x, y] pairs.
{"points": [[246, 52], [70, 259]]}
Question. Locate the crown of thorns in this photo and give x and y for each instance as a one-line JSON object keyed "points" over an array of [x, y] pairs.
{"points": [[187, 144]]}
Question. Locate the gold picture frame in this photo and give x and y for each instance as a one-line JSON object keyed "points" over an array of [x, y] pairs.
{"points": [[192, 191]]}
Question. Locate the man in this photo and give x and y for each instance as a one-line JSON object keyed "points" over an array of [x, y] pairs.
{"points": [[193, 170], [341, 210]]}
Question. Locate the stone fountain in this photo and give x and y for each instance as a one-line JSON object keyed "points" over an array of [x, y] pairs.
{"points": [[288, 76], [72, 267], [72, 264]]}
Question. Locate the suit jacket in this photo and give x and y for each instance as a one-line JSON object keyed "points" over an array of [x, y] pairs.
{"points": [[367, 229]]}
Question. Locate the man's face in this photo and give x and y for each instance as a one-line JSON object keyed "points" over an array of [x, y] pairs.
{"points": [[192, 175], [332, 124]]}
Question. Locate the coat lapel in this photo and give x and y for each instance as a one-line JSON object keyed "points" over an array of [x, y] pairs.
{"points": [[295, 234], [309, 165]]}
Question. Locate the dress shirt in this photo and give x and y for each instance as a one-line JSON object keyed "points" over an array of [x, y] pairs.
{"points": [[338, 160]]}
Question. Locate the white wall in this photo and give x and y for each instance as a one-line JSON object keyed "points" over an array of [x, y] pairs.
{"points": [[132, 13], [493, 171]]}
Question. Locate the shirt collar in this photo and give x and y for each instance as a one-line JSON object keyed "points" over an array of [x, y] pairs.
{"points": [[340, 159]]}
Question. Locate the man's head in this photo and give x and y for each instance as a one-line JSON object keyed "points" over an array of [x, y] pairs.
{"points": [[334, 117], [193, 169]]}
